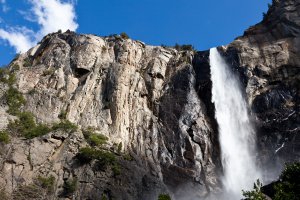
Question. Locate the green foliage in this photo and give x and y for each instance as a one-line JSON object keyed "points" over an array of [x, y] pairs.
{"points": [[3, 74], [62, 115], [128, 157], [22, 125], [46, 182], [104, 158], [104, 197], [124, 36], [38, 130], [27, 127], [27, 62], [70, 186], [256, 193], [289, 184], [15, 67], [12, 79], [287, 188], [86, 154], [104, 48], [65, 125], [48, 72], [164, 197], [93, 138], [120, 147], [14, 100], [4, 137], [7, 76], [30, 160], [264, 15], [184, 47], [97, 139], [116, 169]]}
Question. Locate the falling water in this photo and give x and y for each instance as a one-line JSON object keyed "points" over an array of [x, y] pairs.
{"points": [[236, 135]]}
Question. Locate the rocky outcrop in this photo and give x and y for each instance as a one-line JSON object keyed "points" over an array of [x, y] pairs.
{"points": [[154, 105], [146, 99]]}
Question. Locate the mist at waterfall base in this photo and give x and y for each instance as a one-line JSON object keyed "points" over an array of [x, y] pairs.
{"points": [[236, 134]]}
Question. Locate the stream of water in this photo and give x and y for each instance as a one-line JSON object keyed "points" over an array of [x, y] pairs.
{"points": [[236, 134]]}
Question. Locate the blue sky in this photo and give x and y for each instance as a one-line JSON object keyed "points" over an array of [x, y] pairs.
{"points": [[202, 23]]}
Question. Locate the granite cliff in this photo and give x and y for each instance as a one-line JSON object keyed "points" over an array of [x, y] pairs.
{"points": [[153, 104]]}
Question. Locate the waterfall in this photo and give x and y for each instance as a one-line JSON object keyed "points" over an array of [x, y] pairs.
{"points": [[236, 134]]}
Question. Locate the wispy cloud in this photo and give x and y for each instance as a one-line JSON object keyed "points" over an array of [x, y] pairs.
{"points": [[50, 15], [19, 38], [5, 8]]}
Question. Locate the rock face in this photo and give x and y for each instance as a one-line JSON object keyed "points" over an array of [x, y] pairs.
{"points": [[143, 97], [155, 104]]}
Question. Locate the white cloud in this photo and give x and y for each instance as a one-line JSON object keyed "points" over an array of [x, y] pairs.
{"points": [[17, 38], [53, 15], [50, 15]]}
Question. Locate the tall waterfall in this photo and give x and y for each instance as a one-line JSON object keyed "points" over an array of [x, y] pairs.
{"points": [[236, 135]]}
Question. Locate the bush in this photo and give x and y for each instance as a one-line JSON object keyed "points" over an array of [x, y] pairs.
{"points": [[289, 184], [27, 62], [105, 158], [62, 115], [48, 72], [116, 169], [7, 76], [104, 197], [164, 197], [120, 147], [97, 139], [86, 154], [128, 157], [256, 193], [4, 137], [104, 48], [70, 186], [65, 125], [27, 127], [93, 138], [39, 130], [124, 36], [184, 47], [14, 100], [22, 125], [46, 182], [15, 67], [11, 79], [264, 16]]}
